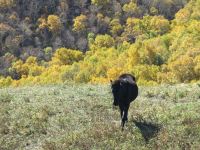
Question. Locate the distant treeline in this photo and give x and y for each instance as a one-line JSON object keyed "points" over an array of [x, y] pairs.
{"points": [[94, 41]]}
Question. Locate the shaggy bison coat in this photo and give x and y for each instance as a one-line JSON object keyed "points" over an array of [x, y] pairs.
{"points": [[124, 91]]}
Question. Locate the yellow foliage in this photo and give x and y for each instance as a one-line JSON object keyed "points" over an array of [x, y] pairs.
{"points": [[30, 67], [31, 60], [20, 68], [182, 16], [159, 24], [131, 8], [54, 23], [116, 27], [42, 23], [4, 82], [6, 3], [146, 72], [83, 76], [5, 27], [64, 6], [197, 66], [13, 16], [153, 11], [103, 41], [64, 56], [149, 26], [80, 23], [132, 26], [196, 11], [53, 74], [133, 56], [113, 73], [147, 82], [50, 75], [154, 51], [166, 77], [100, 2], [183, 68], [194, 27], [100, 80], [36, 70]]}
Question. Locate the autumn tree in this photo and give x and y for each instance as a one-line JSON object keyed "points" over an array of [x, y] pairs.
{"points": [[5, 63], [115, 27], [80, 23], [197, 66], [183, 68], [5, 30], [130, 29], [52, 22], [103, 41], [148, 27], [131, 9], [103, 23], [6, 3], [64, 56], [100, 2], [28, 68], [42, 23], [154, 51], [182, 16]]}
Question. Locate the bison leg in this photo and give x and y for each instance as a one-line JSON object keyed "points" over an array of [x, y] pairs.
{"points": [[121, 113], [122, 116], [125, 115]]}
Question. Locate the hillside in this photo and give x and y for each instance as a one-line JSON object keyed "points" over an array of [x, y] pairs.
{"points": [[30, 25], [81, 117], [94, 41]]}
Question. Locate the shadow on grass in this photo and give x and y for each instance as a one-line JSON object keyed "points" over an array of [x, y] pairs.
{"points": [[147, 129]]}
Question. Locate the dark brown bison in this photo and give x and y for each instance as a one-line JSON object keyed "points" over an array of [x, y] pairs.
{"points": [[124, 91]]}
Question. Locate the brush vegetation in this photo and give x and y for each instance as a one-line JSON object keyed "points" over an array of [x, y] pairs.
{"points": [[81, 117], [44, 42]]}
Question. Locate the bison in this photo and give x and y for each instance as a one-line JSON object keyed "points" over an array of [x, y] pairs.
{"points": [[124, 91]]}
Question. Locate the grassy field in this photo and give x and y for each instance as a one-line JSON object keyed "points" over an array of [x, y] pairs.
{"points": [[60, 117]]}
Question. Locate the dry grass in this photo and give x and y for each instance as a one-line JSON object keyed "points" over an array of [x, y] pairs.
{"points": [[82, 117]]}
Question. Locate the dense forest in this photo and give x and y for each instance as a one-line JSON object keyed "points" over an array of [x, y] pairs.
{"points": [[54, 41]]}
